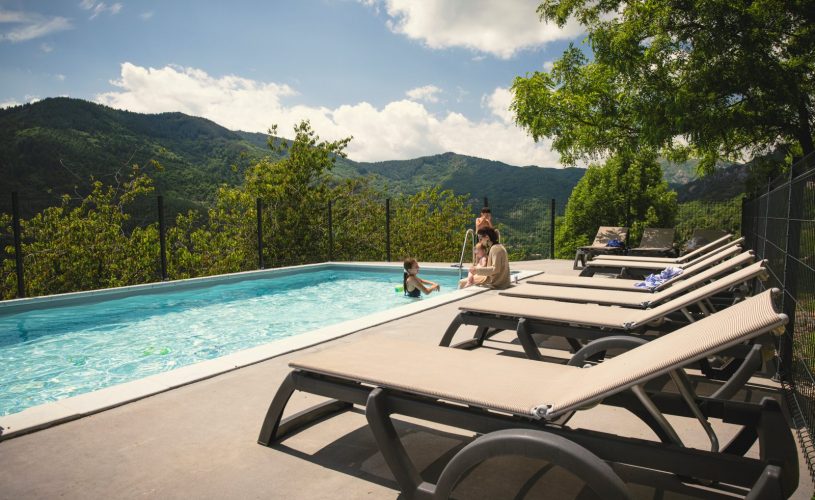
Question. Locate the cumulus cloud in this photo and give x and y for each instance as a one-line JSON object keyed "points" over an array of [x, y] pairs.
{"points": [[30, 25], [428, 93], [401, 129], [498, 28]]}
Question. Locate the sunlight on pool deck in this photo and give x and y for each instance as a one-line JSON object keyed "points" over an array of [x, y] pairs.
{"points": [[199, 440]]}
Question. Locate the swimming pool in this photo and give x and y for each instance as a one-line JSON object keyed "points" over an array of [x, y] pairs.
{"points": [[95, 340]]}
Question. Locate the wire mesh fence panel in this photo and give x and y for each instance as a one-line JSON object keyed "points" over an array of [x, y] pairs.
{"points": [[525, 227], [701, 215], [358, 227], [780, 227]]}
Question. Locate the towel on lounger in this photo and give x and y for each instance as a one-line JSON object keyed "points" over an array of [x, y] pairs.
{"points": [[654, 280]]}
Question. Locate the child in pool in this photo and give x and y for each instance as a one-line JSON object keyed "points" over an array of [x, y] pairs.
{"points": [[480, 260], [413, 284]]}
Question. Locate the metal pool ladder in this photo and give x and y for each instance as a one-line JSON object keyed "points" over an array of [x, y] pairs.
{"points": [[460, 264]]}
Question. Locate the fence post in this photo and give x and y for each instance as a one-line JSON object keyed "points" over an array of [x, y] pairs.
{"points": [[330, 233], [766, 219], [18, 243], [162, 238], [388, 229], [486, 202], [259, 211], [552, 230]]}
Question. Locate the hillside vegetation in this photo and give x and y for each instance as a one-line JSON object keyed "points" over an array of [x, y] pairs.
{"points": [[54, 146]]}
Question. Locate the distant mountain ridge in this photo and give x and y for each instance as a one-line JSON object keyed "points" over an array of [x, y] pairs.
{"points": [[49, 147]]}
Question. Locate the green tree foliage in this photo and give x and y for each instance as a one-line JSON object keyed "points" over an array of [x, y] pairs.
{"points": [[626, 191], [430, 225], [728, 77], [724, 215], [69, 248], [89, 245]]}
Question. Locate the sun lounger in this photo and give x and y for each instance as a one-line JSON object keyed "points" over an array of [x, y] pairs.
{"points": [[701, 237], [600, 244], [642, 267], [587, 321], [703, 250], [626, 284], [629, 298], [657, 242], [481, 393]]}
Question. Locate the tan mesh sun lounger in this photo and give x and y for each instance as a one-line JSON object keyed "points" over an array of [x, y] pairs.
{"points": [[481, 393], [628, 284], [583, 321], [628, 298], [655, 241], [600, 244], [704, 250], [641, 267]]}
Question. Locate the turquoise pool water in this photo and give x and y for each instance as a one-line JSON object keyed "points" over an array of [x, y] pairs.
{"points": [[58, 352]]}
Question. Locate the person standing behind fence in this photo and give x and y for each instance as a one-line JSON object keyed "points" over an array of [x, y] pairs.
{"points": [[496, 273], [485, 220]]}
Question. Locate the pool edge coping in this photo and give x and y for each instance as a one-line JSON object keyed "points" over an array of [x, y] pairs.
{"points": [[55, 413]]}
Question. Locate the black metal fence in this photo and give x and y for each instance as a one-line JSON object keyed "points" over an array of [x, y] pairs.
{"points": [[779, 225], [335, 233]]}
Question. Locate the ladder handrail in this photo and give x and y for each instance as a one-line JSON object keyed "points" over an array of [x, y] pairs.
{"points": [[471, 233]]}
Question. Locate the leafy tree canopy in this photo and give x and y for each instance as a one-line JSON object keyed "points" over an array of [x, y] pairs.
{"points": [[713, 79]]}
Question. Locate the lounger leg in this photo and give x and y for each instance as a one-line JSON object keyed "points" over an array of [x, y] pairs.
{"points": [[268, 430], [451, 331], [768, 486], [274, 430], [400, 464], [597, 474], [528, 343], [749, 366]]}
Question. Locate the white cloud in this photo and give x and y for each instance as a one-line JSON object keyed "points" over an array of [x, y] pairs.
{"points": [[98, 8], [60, 77], [401, 129], [147, 15], [497, 28], [30, 25], [9, 103], [427, 93], [548, 66]]}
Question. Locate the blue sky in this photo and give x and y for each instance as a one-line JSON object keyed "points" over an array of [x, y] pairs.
{"points": [[406, 78]]}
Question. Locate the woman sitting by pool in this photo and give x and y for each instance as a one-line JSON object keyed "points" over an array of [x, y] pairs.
{"points": [[413, 284]]}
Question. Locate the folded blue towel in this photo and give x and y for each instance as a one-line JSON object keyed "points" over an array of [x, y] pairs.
{"points": [[654, 280], [615, 243]]}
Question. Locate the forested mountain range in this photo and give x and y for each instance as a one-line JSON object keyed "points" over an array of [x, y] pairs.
{"points": [[54, 146]]}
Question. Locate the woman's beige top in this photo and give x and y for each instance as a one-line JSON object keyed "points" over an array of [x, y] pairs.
{"points": [[496, 272]]}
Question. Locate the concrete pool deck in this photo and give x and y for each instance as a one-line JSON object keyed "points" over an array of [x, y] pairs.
{"points": [[199, 440]]}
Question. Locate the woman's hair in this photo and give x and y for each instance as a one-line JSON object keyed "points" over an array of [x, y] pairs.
{"points": [[408, 265], [486, 210], [491, 232]]}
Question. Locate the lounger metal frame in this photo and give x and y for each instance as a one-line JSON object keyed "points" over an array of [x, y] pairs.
{"points": [[585, 453]]}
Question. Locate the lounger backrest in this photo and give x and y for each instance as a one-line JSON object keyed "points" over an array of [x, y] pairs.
{"points": [[608, 233], [701, 265], [709, 247], [725, 249], [654, 237], [722, 284], [697, 279], [748, 319], [704, 261]]}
